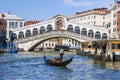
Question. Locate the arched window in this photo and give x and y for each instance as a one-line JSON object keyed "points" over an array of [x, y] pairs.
{"points": [[14, 36], [42, 29], [98, 35], [28, 33], [70, 28], [104, 36], [84, 31], [21, 35], [77, 30], [49, 28], [90, 33], [35, 31]]}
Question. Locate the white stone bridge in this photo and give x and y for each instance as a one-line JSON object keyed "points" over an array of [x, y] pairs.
{"points": [[30, 43], [28, 37]]}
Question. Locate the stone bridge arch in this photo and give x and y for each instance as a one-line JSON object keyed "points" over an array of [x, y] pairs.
{"points": [[41, 41], [30, 43]]}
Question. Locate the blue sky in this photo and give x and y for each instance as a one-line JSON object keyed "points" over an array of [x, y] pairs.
{"points": [[45, 9]]}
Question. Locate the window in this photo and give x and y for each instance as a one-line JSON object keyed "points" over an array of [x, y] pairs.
{"points": [[92, 17], [94, 22], [12, 24], [20, 24], [103, 17], [88, 17], [109, 24], [46, 44], [114, 22], [52, 44], [114, 15], [103, 23], [109, 31], [114, 29], [49, 44], [15, 24]]}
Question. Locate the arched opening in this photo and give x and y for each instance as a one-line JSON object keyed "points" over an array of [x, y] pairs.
{"points": [[104, 36], [20, 35], [49, 28], [98, 35], [42, 29], [90, 33], [14, 36], [70, 28], [28, 33], [35, 31], [84, 31], [59, 23], [77, 30]]}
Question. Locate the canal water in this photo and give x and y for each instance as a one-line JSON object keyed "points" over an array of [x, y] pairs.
{"points": [[31, 66]]}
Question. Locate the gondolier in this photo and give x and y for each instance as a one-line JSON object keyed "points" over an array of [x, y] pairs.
{"points": [[61, 53]]}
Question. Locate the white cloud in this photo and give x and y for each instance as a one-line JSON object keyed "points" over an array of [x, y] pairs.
{"points": [[80, 2]]}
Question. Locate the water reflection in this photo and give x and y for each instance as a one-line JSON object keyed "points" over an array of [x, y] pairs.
{"points": [[113, 65], [109, 65]]}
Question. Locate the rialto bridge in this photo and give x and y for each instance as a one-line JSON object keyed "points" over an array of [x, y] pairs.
{"points": [[31, 36]]}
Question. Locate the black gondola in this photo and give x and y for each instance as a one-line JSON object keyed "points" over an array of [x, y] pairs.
{"points": [[62, 63]]}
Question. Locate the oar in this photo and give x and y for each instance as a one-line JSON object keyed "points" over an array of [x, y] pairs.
{"points": [[44, 54]]}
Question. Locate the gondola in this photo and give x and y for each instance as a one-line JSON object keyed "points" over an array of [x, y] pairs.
{"points": [[62, 63]]}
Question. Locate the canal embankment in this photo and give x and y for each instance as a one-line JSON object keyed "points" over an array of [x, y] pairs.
{"points": [[97, 56]]}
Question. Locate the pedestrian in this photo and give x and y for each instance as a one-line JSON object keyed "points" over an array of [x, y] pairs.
{"points": [[113, 53]]}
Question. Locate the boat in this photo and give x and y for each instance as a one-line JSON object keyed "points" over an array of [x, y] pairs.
{"points": [[61, 63]]}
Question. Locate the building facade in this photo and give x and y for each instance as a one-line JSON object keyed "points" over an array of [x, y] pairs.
{"points": [[113, 20], [94, 17], [13, 22], [3, 31]]}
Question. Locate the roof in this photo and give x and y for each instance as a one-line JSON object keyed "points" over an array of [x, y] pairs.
{"points": [[10, 16]]}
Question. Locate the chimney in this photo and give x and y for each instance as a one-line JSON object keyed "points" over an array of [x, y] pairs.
{"points": [[8, 12], [110, 7], [2, 16], [115, 2]]}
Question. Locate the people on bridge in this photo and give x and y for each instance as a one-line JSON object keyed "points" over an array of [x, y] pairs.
{"points": [[61, 53]]}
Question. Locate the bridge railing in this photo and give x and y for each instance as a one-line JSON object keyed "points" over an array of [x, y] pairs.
{"points": [[55, 33]]}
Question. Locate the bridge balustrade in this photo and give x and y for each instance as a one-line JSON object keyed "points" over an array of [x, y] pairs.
{"points": [[55, 34]]}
